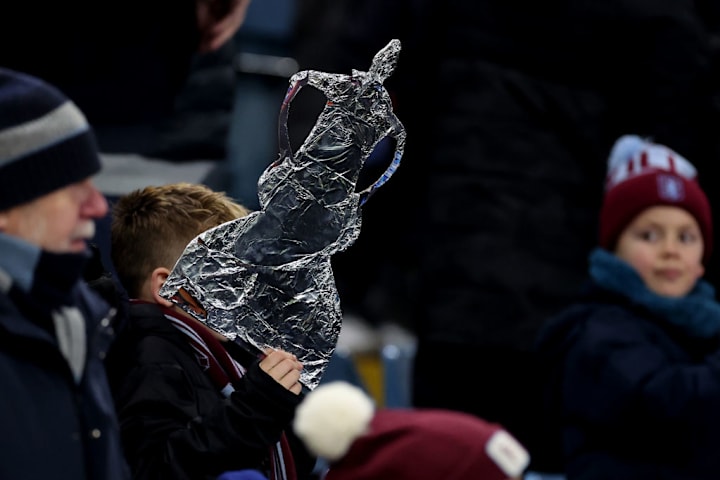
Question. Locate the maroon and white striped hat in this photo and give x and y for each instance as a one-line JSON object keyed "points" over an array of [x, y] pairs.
{"points": [[642, 174]]}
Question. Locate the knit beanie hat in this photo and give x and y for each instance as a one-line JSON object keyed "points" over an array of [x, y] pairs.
{"points": [[642, 174], [45, 141], [338, 422]]}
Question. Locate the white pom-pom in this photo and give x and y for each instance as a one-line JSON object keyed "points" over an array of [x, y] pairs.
{"points": [[632, 155], [624, 150], [331, 417]]}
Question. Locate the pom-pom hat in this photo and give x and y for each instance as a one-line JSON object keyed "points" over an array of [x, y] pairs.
{"points": [[338, 422], [642, 174], [45, 141]]}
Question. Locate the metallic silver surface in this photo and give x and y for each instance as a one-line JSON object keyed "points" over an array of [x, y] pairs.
{"points": [[266, 279]]}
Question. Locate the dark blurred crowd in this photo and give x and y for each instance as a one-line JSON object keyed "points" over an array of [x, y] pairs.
{"points": [[511, 109]]}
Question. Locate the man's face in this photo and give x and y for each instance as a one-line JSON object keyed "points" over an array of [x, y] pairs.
{"points": [[59, 222]]}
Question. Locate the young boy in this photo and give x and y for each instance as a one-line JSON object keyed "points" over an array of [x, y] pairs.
{"points": [[192, 404], [636, 365]]}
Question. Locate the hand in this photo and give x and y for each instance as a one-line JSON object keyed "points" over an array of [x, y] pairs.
{"points": [[284, 367], [218, 20]]}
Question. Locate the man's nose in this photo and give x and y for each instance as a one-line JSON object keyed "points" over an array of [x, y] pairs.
{"points": [[95, 205]]}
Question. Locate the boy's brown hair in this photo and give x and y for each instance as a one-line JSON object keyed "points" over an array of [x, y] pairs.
{"points": [[152, 226]]}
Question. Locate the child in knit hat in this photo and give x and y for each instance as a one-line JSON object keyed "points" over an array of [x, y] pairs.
{"points": [[634, 367], [339, 423]]}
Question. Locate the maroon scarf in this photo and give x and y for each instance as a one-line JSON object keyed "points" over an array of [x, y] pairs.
{"points": [[224, 370]]}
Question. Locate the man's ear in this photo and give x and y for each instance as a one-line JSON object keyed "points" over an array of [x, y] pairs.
{"points": [[157, 279]]}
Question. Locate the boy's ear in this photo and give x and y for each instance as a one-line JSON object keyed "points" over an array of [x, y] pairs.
{"points": [[157, 279]]}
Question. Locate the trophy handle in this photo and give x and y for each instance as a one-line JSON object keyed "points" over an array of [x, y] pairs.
{"points": [[398, 133], [283, 133]]}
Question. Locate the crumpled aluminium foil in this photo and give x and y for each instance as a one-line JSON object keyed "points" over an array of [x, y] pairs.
{"points": [[265, 280]]}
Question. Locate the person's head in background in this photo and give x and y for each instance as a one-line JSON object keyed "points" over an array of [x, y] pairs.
{"points": [[339, 423], [152, 226], [655, 216], [47, 156]]}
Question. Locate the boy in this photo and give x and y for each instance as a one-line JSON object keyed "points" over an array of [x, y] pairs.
{"points": [[636, 365], [191, 404]]}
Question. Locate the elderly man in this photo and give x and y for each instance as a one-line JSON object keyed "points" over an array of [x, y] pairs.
{"points": [[56, 413]]}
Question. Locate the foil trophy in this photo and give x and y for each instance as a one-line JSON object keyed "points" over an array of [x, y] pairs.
{"points": [[265, 280]]}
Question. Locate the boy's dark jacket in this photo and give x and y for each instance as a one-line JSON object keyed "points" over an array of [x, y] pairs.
{"points": [[175, 423], [628, 395]]}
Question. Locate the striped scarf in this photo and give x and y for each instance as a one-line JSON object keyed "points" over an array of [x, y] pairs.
{"points": [[224, 370]]}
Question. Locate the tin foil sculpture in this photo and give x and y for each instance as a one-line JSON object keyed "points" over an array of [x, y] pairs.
{"points": [[265, 280]]}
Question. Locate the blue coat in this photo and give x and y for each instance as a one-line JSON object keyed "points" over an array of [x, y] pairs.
{"points": [[630, 395], [51, 427]]}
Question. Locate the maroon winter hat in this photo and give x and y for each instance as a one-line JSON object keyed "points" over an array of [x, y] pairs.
{"points": [[337, 422], [642, 174]]}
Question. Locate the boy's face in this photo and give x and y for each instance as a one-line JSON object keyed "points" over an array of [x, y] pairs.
{"points": [[665, 246]]}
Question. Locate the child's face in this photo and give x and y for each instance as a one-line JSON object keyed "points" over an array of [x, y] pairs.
{"points": [[665, 246]]}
